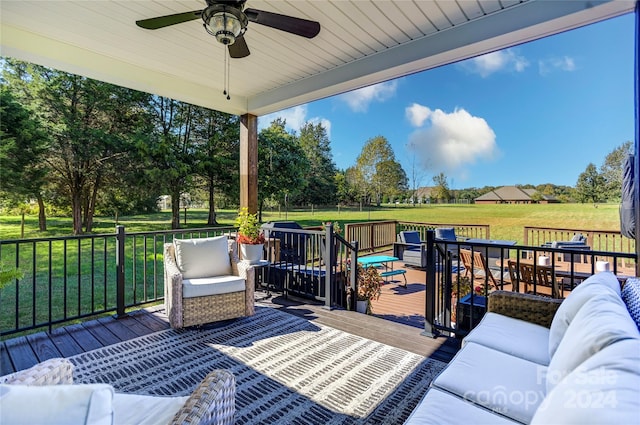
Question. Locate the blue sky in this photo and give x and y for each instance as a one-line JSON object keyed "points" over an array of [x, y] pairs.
{"points": [[535, 113]]}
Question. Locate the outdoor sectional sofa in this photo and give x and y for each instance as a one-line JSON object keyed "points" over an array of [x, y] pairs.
{"points": [[544, 361]]}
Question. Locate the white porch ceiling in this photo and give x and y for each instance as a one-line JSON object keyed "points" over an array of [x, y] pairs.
{"points": [[362, 42]]}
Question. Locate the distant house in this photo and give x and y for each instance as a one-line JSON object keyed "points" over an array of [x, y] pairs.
{"points": [[423, 194], [512, 195]]}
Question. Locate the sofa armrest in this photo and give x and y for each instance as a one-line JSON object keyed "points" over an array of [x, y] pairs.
{"points": [[212, 402], [172, 287], [530, 308], [49, 372]]}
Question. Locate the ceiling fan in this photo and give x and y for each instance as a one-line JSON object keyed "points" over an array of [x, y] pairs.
{"points": [[227, 21]]}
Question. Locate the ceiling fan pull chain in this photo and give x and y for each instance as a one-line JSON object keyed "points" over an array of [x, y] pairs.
{"points": [[228, 72], [224, 82]]}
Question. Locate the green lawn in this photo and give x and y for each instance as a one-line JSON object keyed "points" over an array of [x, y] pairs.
{"points": [[506, 221]]}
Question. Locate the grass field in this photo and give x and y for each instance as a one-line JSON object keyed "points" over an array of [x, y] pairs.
{"points": [[506, 221]]}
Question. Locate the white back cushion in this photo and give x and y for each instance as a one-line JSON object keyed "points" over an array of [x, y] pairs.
{"points": [[596, 284], [56, 404], [605, 389], [603, 320], [203, 257]]}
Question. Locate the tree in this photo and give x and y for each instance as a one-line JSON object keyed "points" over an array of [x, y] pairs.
{"points": [[344, 191], [88, 122], [168, 154], [416, 175], [217, 153], [357, 185], [281, 165], [321, 187], [23, 145], [441, 189], [590, 185], [611, 171], [391, 180], [378, 171]]}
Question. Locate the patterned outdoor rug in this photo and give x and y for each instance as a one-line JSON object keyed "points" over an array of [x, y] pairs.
{"points": [[287, 370]]}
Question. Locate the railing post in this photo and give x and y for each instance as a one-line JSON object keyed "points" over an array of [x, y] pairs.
{"points": [[328, 264], [430, 284], [353, 276], [448, 287], [120, 239]]}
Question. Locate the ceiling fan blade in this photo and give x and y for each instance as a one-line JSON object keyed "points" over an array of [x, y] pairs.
{"points": [[298, 26], [165, 21], [239, 48]]}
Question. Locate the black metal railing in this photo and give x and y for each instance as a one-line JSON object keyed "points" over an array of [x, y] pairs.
{"points": [[73, 277], [302, 263], [456, 297]]}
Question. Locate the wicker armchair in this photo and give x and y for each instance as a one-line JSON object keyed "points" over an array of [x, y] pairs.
{"points": [[212, 402], [185, 309]]}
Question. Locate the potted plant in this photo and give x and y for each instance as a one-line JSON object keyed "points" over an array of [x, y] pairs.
{"points": [[250, 236], [369, 288], [336, 226]]}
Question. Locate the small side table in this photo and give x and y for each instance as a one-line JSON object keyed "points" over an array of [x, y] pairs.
{"points": [[466, 313], [262, 281]]}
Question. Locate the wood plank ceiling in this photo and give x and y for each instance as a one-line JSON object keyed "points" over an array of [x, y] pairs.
{"points": [[362, 42]]}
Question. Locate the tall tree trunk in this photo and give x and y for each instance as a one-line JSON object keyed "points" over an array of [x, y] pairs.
{"points": [[76, 211], [260, 205], [91, 208], [211, 219], [85, 206], [175, 210], [42, 214]]}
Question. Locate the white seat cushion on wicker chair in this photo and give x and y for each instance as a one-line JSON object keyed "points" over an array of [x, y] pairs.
{"points": [[206, 286], [203, 257]]}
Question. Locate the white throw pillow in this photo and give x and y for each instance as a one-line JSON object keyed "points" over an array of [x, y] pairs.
{"points": [[204, 257], [605, 389], [56, 404], [602, 321], [594, 285]]}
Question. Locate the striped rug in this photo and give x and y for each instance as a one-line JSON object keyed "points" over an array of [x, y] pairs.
{"points": [[287, 369]]}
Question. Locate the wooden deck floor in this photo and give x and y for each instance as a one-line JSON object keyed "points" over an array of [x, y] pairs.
{"points": [[401, 306], [398, 320]]}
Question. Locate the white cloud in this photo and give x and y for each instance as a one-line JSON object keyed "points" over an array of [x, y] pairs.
{"points": [[359, 100], [417, 114], [451, 141], [502, 60], [564, 63], [294, 118]]}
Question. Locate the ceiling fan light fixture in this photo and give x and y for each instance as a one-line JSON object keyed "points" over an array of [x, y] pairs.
{"points": [[223, 24]]}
